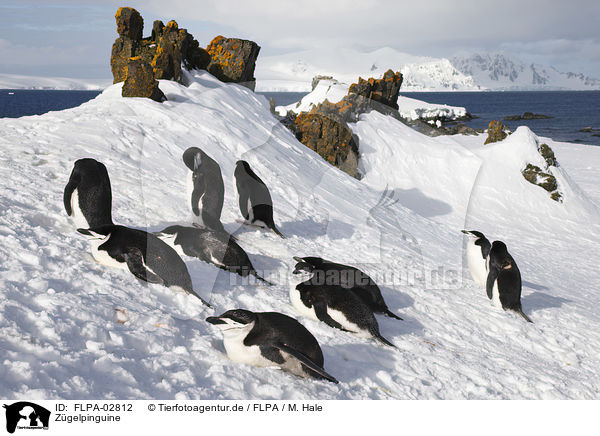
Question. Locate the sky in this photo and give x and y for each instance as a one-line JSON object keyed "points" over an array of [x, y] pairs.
{"points": [[74, 38]]}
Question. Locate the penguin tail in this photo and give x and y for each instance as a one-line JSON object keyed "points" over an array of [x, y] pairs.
{"points": [[255, 274], [206, 303], [383, 340], [390, 314], [307, 362], [277, 232], [520, 312]]}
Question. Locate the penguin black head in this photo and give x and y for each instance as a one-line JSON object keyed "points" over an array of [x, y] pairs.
{"points": [[242, 164], [473, 233], [237, 318], [192, 158], [97, 232]]}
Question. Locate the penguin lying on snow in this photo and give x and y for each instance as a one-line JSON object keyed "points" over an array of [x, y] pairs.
{"points": [[504, 279], [254, 198], [337, 307], [478, 248], [147, 257], [218, 248], [347, 277], [271, 339], [87, 196], [207, 187]]}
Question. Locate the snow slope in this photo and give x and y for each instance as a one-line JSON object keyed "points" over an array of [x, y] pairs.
{"points": [[14, 81], [62, 338], [500, 72], [409, 108], [294, 71]]}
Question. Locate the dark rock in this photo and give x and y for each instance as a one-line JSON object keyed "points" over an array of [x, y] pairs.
{"points": [[495, 132], [140, 81], [586, 129], [165, 50], [548, 155], [534, 174], [526, 116], [331, 138], [384, 90], [317, 79], [129, 23], [233, 60]]}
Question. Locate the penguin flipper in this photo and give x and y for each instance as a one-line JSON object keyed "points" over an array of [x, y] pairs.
{"points": [[135, 263], [255, 274], [243, 202], [305, 360], [491, 278], [196, 195], [71, 186], [277, 232], [321, 312]]}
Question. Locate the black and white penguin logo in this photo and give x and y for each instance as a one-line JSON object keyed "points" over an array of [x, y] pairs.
{"points": [[26, 415]]}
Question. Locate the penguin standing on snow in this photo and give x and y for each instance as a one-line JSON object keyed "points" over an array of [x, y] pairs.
{"points": [[271, 339], [207, 188], [87, 196], [255, 201], [504, 279], [478, 248], [218, 248], [143, 254], [335, 306], [347, 277]]}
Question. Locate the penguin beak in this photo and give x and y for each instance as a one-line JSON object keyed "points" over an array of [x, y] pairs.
{"points": [[215, 320], [466, 232], [298, 259]]}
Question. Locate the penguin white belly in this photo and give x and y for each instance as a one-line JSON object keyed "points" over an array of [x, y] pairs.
{"points": [[103, 258], [338, 316], [76, 213], [496, 296], [233, 340], [250, 211], [299, 305], [477, 264]]}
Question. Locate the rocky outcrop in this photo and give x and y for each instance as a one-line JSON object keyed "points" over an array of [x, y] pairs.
{"points": [[384, 90], [140, 81], [526, 116], [233, 60], [165, 50], [495, 132], [543, 176], [331, 138], [325, 128]]}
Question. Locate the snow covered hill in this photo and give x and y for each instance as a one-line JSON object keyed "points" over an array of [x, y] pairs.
{"points": [[294, 71], [14, 81], [71, 328], [499, 72]]}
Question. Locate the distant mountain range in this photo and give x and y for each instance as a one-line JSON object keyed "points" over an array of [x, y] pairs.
{"points": [[14, 81], [477, 72]]}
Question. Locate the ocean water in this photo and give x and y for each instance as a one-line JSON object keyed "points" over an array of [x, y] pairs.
{"points": [[571, 110]]}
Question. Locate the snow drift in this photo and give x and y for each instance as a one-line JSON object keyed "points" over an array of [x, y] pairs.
{"points": [[73, 329]]}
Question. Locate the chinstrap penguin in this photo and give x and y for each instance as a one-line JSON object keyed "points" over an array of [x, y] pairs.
{"points": [[271, 339], [211, 246], [254, 198], [504, 279], [335, 306], [478, 248], [143, 254], [207, 188], [87, 196], [347, 277]]}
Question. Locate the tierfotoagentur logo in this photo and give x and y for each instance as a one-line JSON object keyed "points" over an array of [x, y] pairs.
{"points": [[27, 416]]}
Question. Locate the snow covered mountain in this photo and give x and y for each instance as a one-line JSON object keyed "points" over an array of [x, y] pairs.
{"points": [[504, 73], [15, 81], [71, 328], [294, 71]]}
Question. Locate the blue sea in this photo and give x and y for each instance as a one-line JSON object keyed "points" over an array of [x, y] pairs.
{"points": [[571, 110]]}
